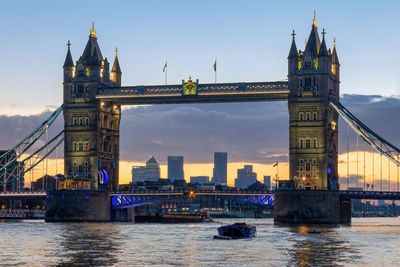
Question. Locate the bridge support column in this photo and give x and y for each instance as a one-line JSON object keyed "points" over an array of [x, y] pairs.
{"points": [[124, 215], [311, 207], [77, 206]]}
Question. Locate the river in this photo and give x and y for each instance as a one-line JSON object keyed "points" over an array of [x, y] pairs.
{"points": [[367, 242]]}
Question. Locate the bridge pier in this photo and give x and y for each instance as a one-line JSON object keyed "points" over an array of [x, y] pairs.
{"points": [[77, 206], [124, 215], [311, 207]]}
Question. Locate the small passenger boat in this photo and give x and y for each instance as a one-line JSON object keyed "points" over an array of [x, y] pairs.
{"points": [[237, 230]]}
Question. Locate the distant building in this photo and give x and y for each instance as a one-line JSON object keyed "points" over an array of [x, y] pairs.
{"points": [[245, 177], [267, 181], [14, 181], [220, 167], [200, 179], [175, 168], [138, 174], [150, 172], [49, 182]]}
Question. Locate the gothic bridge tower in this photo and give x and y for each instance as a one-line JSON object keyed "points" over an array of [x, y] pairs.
{"points": [[91, 144], [313, 76]]}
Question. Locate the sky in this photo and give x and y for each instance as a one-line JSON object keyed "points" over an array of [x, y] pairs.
{"points": [[249, 39]]}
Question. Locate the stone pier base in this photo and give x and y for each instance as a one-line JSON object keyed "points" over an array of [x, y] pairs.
{"points": [[124, 215], [77, 206], [311, 207]]}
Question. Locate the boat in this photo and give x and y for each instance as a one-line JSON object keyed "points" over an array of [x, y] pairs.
{"points": [[237, 230], [313, 231]]}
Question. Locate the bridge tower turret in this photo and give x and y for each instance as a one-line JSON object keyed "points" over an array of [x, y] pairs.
{"points": [[116, 71], [91, 143], [313, 77]]}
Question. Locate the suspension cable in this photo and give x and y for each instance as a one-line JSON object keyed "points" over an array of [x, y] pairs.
{"points": [[389, 173], [364, 163], [381, 175], [357, 159], [373, 169], [397, 175], [348, 157]]}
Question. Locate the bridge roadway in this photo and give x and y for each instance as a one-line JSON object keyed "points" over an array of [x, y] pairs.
{"points": [[204, 93], [387, 195]]}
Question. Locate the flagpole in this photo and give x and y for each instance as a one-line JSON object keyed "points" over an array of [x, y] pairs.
{"points": [[215, 70], [166, 72]]}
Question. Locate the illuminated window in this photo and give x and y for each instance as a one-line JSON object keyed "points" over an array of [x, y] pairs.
{"points": [[333, 69], [86, 146]]}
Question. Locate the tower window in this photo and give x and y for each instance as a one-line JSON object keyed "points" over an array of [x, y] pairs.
{"points": [[308, 166], [308, 116], [308, 82], [75, 146], [315, 115], [74, 121], [308, 143], [301, 143], [86, 121], [301, 116], [80, 121], [314, 142], [86, 146], [80, 146]]}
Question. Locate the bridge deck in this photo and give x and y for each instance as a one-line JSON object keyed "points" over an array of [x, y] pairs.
{"points": [[388, 195], [205, 93]]}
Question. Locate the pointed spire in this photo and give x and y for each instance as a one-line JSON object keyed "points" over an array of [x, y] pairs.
{"points": [[323, 51], [116, 67], [335, 59], [293, 48], [92, 31], [314, 20], [313, 43], [68, 59]]}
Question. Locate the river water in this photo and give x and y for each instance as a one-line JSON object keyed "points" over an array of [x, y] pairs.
{"points": [[367, 242]]}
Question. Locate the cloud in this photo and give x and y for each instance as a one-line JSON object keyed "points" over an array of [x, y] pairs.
{"points": [[250, 132]]}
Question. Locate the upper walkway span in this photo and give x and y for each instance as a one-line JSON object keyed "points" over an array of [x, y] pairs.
{"points": [[199, 93]]}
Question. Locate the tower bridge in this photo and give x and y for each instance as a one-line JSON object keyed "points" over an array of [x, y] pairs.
{"points": [[92, 99]]}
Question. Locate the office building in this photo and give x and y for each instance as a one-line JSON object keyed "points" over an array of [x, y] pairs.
{"points": [[245, 177], [150, 172], [200, 179], [267, 181], [220, 167], [175, 168]]}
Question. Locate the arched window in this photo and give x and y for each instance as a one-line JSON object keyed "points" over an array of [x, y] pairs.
{"points": [[301, 143], [301, 116], [308, 143], [308, 116], [314, 143], [105, 124], [315, 115], [308, 166], [81, 71]]}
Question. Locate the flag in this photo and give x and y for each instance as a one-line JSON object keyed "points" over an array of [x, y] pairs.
{"points": [[276, 164], [215, 66], [165, 66]]}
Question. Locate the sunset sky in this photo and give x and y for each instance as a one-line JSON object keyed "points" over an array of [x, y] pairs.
{"points": [[191, 36]]}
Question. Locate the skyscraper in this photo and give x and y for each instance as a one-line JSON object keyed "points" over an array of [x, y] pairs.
{"points": [[245, 177], [220, 167], [175, 168], [152, 170]]}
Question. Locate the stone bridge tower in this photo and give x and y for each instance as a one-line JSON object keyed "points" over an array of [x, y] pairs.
{"points": [[313, 76], [91, 144]]}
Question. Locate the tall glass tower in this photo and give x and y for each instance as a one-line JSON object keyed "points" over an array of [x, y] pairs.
{"points": [[220, 167]]}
